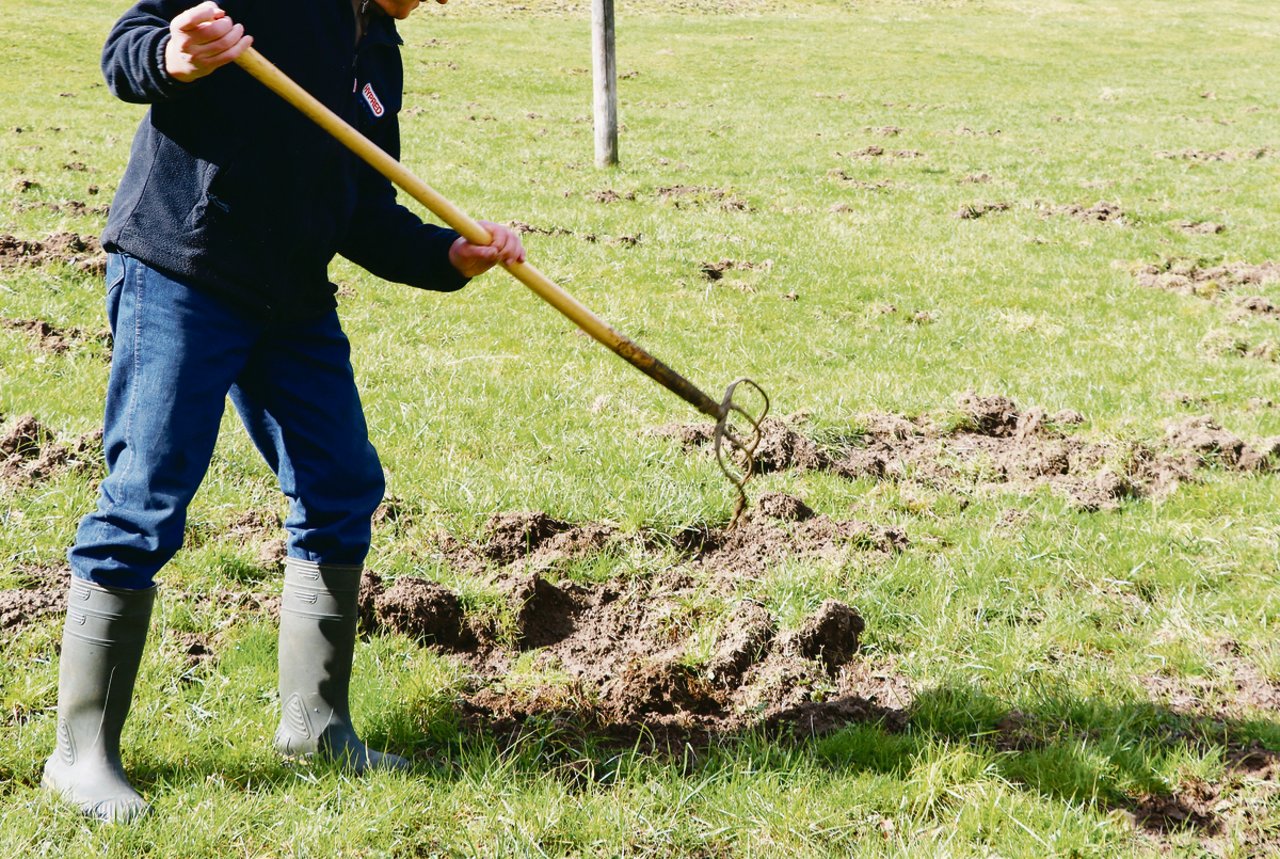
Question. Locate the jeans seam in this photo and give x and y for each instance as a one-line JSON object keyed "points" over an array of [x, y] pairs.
{"points": [[135, 372]]}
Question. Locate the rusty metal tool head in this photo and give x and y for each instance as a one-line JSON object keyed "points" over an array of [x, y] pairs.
{"points": [[737, 432]]}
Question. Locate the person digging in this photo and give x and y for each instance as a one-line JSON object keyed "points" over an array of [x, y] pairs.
{"points": [[219, 238]]}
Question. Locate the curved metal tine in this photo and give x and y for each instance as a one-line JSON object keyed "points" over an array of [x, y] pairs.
{"points": [[738, 464], [727, 409]]}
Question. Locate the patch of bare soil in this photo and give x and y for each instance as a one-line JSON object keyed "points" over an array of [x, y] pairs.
{"points": [[82, 252], [21, 606], [592, 238], [870, 152], [50, 338], [1192, 806], [1100, 212], [29, 453], [631, 653], [617, 655], [1225, 342], [1203, 155], [698, 196], [973, 211], [1193, 277], [716, 270], [1227, 815], [196, 649], [1233, 689], [608, 195], [1199, 228], [995, 443]]}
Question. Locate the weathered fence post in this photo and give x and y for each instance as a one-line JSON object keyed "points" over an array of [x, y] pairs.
{"points": [[604, 79]]}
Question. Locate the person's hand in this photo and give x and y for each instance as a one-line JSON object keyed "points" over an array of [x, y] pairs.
{"points": [[474, 260], [202, 39]]}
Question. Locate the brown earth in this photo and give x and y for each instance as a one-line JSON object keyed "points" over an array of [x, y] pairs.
{"points": [[1100, 212], [973, 211], [716, 270], [698, 196], [29, 453], [994, 443], [1218, 155], [50, 338], [1199, 228], [617, 655], [621, 654], [1192, 277], [73, 249]]}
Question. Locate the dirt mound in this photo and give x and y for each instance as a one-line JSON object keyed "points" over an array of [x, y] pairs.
{"points": [[697, 196], [1214, 445], [1194, 277], [1235, 687], [1199, 228], [422, 610], [1100, 212], [29, 453], [973, 211], [716, 270], [1192, 806], [781, 446], [531, 539], [990, 441], [73, 249], [19, 607], [49, 338], [622, 653]]}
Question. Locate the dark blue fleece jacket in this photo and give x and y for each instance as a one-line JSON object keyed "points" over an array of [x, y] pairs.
{"points": [[233, 190]]}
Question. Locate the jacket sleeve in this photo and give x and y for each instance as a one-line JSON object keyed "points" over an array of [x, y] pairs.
{"points": [[388, 240], [133, 56]]}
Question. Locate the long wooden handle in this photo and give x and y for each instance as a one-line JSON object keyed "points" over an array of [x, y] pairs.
{"points": [[278, 82]]}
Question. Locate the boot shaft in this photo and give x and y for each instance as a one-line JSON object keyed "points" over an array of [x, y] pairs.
{"points": [[102, 642]]}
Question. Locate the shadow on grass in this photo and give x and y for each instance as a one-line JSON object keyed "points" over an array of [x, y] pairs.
{"points": [[1107, 756]]}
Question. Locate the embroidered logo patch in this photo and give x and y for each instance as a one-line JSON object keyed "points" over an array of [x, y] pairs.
{"points": [[371, 98]]}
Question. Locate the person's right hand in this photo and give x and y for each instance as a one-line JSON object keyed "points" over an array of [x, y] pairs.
{"points": [[201, 40]]}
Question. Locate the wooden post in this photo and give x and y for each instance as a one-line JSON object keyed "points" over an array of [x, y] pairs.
{"points": [[604, 79]]}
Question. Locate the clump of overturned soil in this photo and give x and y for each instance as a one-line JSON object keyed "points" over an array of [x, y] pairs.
{"points": [[73, 249], [698, 196], [991, 441], [973, 211], [1193, 277], [635, 651], [1101, 212], [716, 270], [529, 539], [1192, 806], [781, 445], [621, 653], [21, 606], [50, 338], [1199, 228], [29, 453], [1234, 688], [779, 526]]}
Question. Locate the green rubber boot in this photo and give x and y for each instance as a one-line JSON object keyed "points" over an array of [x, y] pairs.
{"points": [[318, 616], [102, 643]]}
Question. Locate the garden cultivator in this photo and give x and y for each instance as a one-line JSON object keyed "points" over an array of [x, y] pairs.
{"points": [[738, 431]]}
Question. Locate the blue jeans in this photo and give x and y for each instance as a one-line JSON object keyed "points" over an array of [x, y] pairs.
{"points": [[177, 355]]}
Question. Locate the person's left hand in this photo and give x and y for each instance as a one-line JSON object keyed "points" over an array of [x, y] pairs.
{"points": [[474, 260]]}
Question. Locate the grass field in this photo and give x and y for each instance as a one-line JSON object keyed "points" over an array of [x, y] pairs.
{"points": [[872, 208]]}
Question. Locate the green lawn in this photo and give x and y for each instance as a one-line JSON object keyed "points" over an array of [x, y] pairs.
{"points": [[827, 148]]}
